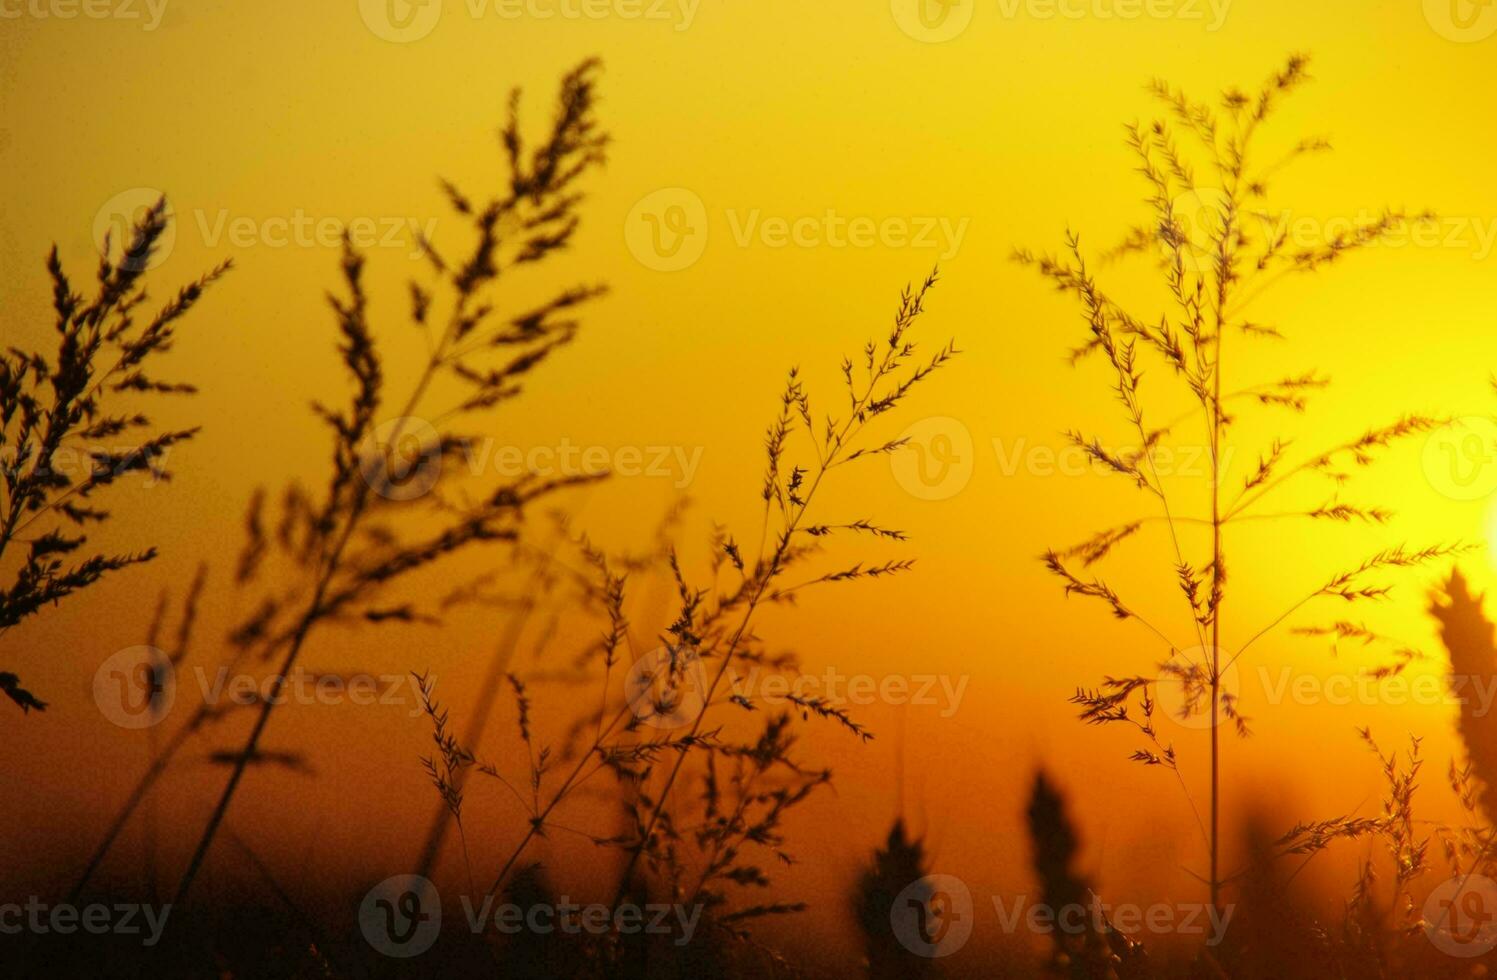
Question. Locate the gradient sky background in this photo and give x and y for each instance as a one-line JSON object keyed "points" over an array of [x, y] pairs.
{"points": [[1009, 130]]}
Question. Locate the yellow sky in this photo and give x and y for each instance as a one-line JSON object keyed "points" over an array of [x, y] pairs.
{"points": [[816, 157]]}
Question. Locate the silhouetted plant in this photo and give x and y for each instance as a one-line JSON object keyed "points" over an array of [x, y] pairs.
{"points": [[705, 846], [1369, 941], [1087, 947], [347, 540], [1210, 286], [56, 413], [746, 807], [900, 862]]}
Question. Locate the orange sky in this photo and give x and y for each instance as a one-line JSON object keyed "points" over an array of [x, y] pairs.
{"points": [[818, 157]]}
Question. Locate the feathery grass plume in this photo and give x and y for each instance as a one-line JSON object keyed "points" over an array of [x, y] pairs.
{"points": [[1213, 266], [540, 583], [446, 766], [83, 402], [715, 846], [1370, 942], [1086, 947], [898, 863], [348, 541], [886, 373]]}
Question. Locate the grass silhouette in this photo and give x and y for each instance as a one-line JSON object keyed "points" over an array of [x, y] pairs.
{"points": [[1211, 274], [699, 770], [59, 410]]}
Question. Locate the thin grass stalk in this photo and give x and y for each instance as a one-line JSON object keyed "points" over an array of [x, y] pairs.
{"points": [[314, 612]]}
